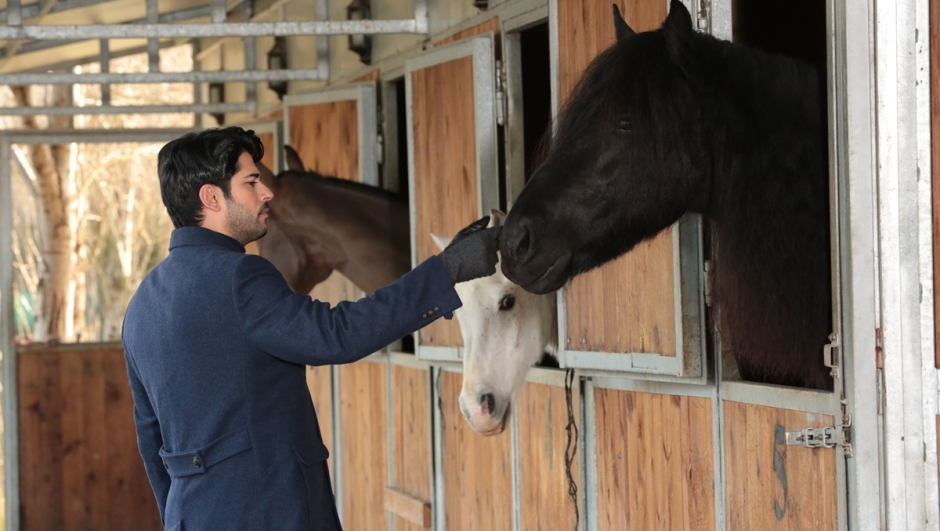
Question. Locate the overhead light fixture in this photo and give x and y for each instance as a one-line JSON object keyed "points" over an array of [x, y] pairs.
{"points": [[277, 60], [217, 95], [360, 43]]}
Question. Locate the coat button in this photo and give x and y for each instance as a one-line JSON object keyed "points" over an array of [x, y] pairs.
{"points": [[424, 316], [196, 462], [436, 309]]}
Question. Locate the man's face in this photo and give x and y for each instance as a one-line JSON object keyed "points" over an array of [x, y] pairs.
{"points": [[247, 209]]}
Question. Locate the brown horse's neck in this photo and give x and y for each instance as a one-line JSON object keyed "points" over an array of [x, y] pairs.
{"points": [[359, 231]]}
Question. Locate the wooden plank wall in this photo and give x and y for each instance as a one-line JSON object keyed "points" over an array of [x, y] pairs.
{"points": [[769, 485], [628, 304], [489, 25], [79, 463], [364, 424], [477, 470], [411, 438], [445, 180], [543, 439], [655, 462]]}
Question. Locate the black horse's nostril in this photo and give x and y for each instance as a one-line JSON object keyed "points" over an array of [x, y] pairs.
{"points": [[488, 403], [520, 240]]}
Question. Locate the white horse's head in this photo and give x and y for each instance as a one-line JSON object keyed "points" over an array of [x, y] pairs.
{"points": [[505, 331]]}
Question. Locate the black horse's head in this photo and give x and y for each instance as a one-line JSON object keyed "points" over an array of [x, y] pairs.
{"points": [[627, 159]]}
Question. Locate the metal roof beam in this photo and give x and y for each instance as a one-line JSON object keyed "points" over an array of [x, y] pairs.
{"points": [[171, 17], [32, 10], [96, 57], [218, 76], [228, 29], [127, 109]]}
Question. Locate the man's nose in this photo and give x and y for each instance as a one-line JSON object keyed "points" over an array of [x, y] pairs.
{"points": [[266, 193]]}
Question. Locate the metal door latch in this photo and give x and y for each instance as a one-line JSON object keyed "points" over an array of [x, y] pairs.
{"points": [[813, 437]]}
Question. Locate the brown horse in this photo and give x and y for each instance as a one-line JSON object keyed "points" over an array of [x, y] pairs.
{"points": [[320, 224]]}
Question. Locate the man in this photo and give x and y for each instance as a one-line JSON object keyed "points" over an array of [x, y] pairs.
{"points": [[216, 344]]}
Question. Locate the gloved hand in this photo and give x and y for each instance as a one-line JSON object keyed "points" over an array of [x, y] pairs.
{"points": [[472, 252]]}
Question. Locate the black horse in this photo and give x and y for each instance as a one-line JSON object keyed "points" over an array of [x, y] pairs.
{"points": [[673, 121]]}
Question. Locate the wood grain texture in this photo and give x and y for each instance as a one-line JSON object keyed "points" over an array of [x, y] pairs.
{"points": [[411, 436], [79, 463], [364, 429], [655, 462], [543, 438], [477, 470], [445, 180], [326, 137], [627, 305], [488, 25], [408, 508], [772, 486]]}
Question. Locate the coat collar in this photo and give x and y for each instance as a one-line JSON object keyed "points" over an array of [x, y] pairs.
{"points": [[190, 236]]}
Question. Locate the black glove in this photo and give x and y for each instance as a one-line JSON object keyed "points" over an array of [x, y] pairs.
{"points": [[472, 252]]}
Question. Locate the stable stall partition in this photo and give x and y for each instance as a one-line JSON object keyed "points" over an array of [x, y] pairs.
{"points": [[334, 133], [671, 441]]}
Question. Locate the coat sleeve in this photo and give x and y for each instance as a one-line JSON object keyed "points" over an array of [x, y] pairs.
{"points": [[149, 439], [296, 328]]}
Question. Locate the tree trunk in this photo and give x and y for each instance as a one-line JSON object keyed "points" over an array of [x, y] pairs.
{"points": [[51, 164]]}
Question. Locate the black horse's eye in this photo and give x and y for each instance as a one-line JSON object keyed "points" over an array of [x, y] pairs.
{"points": [[624, 124], [507, 302]]}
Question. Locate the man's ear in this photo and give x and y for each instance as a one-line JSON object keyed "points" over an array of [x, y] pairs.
{"points": [[211, 197]]}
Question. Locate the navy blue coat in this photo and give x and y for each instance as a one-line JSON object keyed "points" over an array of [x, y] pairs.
{"points": [[216, 344]]}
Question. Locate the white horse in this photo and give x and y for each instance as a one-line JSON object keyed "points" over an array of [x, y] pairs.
{"points": [[506, 330]]}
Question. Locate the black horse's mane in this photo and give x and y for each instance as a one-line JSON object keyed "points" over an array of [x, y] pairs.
{"points": [[757, 126], [337, 182]]}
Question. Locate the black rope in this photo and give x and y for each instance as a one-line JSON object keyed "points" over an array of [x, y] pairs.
{"points": [[440, 400], [571, 449]]}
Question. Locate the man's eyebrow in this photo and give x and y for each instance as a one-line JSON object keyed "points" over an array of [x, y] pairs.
{"points": [[253, 176]]}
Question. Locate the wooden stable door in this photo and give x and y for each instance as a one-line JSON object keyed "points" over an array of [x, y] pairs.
{"points": [[453, 176], [334, 132]]}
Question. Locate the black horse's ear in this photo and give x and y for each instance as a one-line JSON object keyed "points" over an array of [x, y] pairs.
{"points": [[620, 26], [679, 34], [679, 21]]}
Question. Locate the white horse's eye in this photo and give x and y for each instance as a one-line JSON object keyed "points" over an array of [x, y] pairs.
{"points": [[507, 302]]}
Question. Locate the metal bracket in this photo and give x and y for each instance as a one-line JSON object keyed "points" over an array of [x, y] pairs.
{"points": [[709, 268], [501, 110], [813, 437], [829, 358], [824, 437]]}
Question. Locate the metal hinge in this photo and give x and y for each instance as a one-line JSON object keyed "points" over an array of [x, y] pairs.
{"points": [[830, 356], [501, 110], [379, 149], [703, 18], [708, 282], [824, 437]]}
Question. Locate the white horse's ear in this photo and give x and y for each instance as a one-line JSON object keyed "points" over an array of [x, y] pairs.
{"points": [[497, 218], [441, 241]]}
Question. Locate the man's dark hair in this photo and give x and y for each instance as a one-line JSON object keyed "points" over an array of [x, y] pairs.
{"points": [[207, 157]]}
